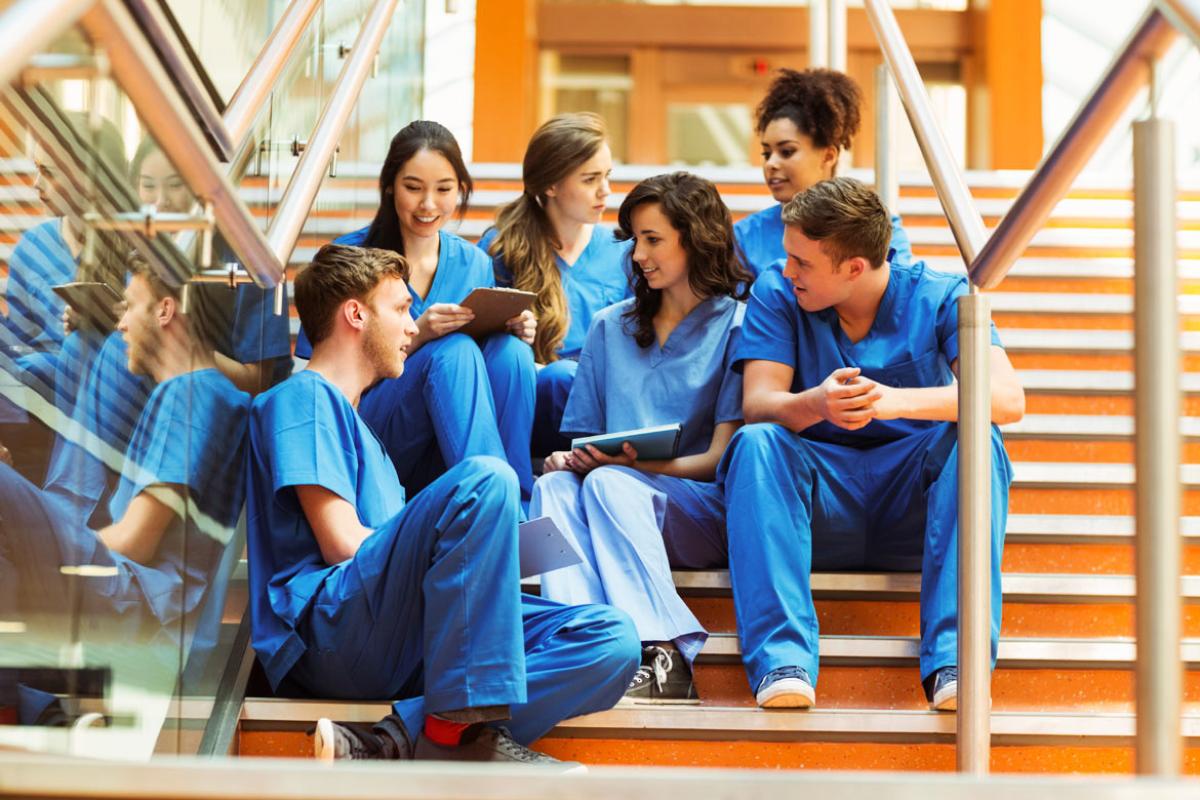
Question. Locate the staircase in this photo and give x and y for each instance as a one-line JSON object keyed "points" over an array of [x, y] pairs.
{"points": [[1064, 687]]}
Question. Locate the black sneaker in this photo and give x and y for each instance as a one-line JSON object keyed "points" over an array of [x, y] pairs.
{"points": [[491, 744], [662, 679], [334, 742], [941, 689]]}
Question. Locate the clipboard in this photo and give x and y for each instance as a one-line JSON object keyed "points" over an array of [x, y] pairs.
{"points": [[543, 548], [96, 302], [493, 307], [652, 444]]}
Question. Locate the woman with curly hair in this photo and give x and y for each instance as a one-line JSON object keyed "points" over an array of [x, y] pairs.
{"points": [[549, 241], [805, 122], [661, 357]]}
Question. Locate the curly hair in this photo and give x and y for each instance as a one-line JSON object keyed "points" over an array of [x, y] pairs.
{"points": [[823, 105], [694, 208]]}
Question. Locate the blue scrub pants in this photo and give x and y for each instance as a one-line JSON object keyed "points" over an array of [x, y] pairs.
{"points": [[430, 609], [631, 528], [795, 505], [446, 405], [553, 388]]}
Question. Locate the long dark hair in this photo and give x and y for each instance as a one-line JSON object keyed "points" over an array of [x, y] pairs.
{"points": [[694, 208], [414, 137]]}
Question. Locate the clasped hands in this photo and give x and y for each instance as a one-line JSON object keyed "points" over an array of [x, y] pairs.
{"points": [[850, 401]]}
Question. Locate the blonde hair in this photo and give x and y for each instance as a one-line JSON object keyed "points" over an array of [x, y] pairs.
{"points": [[525, 236]]}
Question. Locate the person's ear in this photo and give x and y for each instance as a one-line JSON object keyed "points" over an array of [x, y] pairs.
{"points": [[168, 307], [355, 314], [856, 266], [829, 158]]}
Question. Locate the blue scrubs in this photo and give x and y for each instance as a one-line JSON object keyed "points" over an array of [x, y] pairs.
{"points": [[597, 279], [882, 497], [429, 608], [191, 434], [633, 527], [456, 398], [760, 240]]}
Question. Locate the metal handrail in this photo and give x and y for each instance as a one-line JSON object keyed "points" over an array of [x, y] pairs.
{"points": [[302, 189], [248, 99], [1184, 15], [1128, 73], [29, 26], [965, 221], [148, 86]]}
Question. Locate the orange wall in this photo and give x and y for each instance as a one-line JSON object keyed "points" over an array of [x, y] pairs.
{"points": [[505, 78], [1007, 84]]}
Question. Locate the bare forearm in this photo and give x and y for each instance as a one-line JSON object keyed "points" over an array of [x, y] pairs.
{"points": [[700, 467], [940, 404], [793, 411]]}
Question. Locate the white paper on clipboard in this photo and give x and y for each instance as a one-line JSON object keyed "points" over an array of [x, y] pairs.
{"points": [[544, 548]]}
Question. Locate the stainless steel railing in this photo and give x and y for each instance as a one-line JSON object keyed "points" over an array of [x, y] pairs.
{"points": [[988, 260]]}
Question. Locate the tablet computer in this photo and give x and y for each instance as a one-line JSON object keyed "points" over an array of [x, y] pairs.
{"points": [[652, 444], [544, 548], [493, 307]]}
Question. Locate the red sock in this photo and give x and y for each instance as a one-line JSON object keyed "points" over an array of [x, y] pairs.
{"points": [[443, 731]]}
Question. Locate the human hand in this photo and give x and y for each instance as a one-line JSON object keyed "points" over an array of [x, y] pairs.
{"points": [[557, 461], [5, 456], [846, 399], [523, 326], [889, 405], [70, 321], [585, 459], [442, 318]]}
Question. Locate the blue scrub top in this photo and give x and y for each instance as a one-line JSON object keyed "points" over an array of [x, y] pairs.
{"points": [[258, 333], [40, 261], [912, 342], [304, 432], [461, 268], [597, 279], [192, 433], [760, 240], [690, 380]]}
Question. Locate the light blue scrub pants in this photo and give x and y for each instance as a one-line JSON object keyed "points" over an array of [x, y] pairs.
{"points": [[631, 528], [795, 505], [430, 610], [457, 399], [553, 388]]}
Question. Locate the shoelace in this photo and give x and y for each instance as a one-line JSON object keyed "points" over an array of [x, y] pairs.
{"points": [[517, 751], [784, 672], [661, 666]]}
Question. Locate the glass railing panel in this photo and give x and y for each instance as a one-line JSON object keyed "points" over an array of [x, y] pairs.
{"points": [[123, 426]]}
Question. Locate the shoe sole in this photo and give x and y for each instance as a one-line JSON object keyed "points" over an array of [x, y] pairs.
{"points": [[323, 748], [946, 699], [787, 693], [657, 701]]}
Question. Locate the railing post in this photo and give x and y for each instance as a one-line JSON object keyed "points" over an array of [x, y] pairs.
{"points": [[974, 534], [886, 183], [818, 33], [837, 34], [1156, 372]]}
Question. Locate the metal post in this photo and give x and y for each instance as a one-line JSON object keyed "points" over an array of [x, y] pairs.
{"points": [[886, 183], [974, 534], [1156, 371], [837, 35], [818, 33]]}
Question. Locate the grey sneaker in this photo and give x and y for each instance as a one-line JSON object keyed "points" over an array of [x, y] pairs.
{"points": [[493, 744], [941, 689], [786, 687], [334, 742], [662, 679]]}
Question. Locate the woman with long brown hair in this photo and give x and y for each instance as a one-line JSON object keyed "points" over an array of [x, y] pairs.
{"points": [[660, 358], [549, 241]]}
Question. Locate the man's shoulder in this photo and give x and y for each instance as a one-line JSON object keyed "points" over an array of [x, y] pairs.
{"points": [[303, 392], [926, 282]]}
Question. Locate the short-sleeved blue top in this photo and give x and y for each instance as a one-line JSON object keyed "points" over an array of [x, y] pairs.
{"points": [[461, 268], [598, 278], [760, 240], [192, 433], [39, 261], [621, 386], [304, 432], [912, 342]]}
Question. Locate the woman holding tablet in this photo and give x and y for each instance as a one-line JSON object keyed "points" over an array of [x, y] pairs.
{"points": [[805, 122], [548, 241], [661, 357], [445, 406]]}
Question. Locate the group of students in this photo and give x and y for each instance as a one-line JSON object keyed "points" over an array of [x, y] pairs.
{"points": [[807, 357]]}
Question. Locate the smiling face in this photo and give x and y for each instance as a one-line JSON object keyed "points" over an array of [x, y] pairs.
{"points": [[426, 193], [658, 252], [791, 162], [389, 329], [817, 282], [158, 184], [580, 197]]}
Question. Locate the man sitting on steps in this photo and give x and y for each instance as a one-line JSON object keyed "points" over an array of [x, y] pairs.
{"points": [[851, 462], [360, 595]]}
